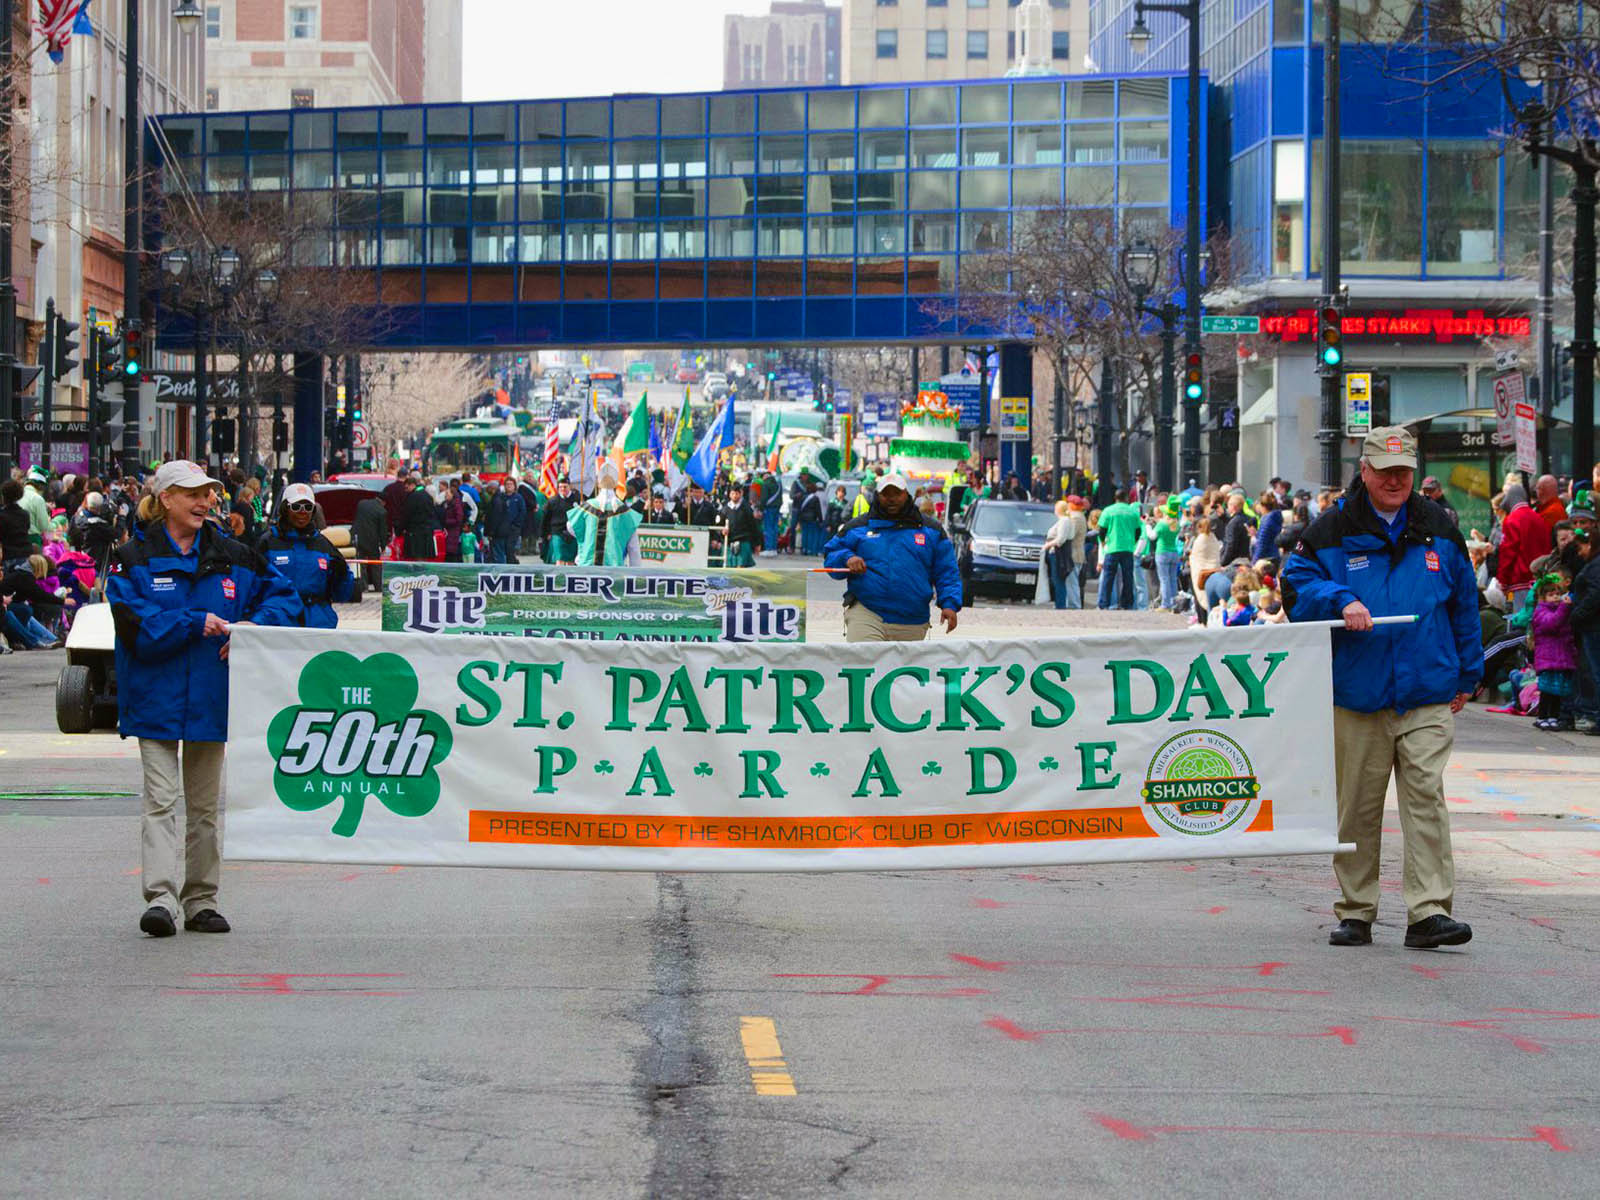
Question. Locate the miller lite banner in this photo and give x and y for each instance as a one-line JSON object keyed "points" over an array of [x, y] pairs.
{"points": [[779, 756], [659, 604]]}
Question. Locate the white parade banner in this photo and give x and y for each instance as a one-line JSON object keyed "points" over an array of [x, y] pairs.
{"points": [[436, 750]]}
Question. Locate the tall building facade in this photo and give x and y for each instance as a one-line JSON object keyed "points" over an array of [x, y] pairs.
{"points": [[797, 42], [890, 41], [1438, 226], [76, 130], [326, 53]]}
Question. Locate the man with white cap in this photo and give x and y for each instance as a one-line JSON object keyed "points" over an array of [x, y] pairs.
{"points": [[176, 589], [35, 504], [1384, 551], [896, 560]]}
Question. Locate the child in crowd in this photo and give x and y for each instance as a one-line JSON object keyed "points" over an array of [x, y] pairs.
{"points": [[1269, 607], [1241, 608], [1555, 653]]}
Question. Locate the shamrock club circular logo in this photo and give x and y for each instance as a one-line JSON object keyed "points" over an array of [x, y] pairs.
{"points": [[1200, 782]]}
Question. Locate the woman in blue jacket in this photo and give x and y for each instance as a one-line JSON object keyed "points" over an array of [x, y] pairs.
{"points": [[313, 565], [176, 588]]}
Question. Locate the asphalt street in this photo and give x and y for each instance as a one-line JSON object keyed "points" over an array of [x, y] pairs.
{"points": [[1167, 1029]]}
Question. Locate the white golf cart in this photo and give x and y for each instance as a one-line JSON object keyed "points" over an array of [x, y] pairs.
{"points": [[86, 691]]}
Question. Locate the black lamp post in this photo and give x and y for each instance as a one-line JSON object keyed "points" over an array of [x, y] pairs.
{"points": [[1141, 269], [1139, 40], [1581, 159]]}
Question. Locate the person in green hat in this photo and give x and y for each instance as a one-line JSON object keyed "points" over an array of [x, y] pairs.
{"points": [[863, 504]]}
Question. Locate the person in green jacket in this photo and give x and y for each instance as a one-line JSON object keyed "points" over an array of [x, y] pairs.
{"points": [[1120, 530], [36, 506], [1168, 554]]}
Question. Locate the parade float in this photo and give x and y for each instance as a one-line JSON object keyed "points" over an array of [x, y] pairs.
{"points": [[929, 445]]}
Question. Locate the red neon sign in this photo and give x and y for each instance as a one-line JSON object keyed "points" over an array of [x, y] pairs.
{"points": [[1441, 325]]}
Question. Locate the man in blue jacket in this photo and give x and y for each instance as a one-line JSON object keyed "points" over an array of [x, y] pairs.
{"points": [[896, 560], [504, 522], [1384, 551]]}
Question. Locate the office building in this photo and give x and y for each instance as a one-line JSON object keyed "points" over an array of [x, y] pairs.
{"points": [[891, 41], [796, 43]]}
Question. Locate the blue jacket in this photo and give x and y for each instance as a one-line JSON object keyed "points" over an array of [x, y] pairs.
{"points": [[1267, 535], [506, 514], [908, 558], [1347, 554], [171, 685], [314, 568]]}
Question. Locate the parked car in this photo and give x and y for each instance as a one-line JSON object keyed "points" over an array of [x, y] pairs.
{"points": [[999, 545]]}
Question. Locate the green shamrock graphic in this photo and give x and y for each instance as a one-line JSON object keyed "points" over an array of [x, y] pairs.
{"points": [[1048, 763], [603, 767], [932, 768], [702, 768], [355, 735], [819, 769]]}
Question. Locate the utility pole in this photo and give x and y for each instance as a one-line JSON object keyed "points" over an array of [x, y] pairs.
{"points": [[1547, 331], [47, 381], [9, 416], [131, 225], [1330, 432]]}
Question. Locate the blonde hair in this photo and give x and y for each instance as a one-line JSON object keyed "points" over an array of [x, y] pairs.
{"points": [[1062, 508], [39, 565], [151, 507]]}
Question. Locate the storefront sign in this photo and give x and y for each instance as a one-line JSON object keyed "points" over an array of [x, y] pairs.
{"points": [[383, 748], [1442, 325], [595, 604], [1527, 433], [1357, 403], [674, 546], [1014, 419], [1510, 390], [178, 387]]}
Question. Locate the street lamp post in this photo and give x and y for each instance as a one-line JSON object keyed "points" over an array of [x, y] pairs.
{"points": [[1139, 40], [177, 269], [1581, 159], [1141, 268]]}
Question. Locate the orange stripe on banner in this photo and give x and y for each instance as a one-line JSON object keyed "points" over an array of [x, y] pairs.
{"points": [[1263, 821], [808, 833]]}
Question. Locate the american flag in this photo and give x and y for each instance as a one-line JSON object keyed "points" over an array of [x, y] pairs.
{"points": [[547, 472], [58, 21]]}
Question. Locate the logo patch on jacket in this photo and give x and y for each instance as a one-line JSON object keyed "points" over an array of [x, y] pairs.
{"points": [[921, 539], [322, 562], [1356, 562], [281, 559], [230, 589], [1432, 559], [163, 583]]}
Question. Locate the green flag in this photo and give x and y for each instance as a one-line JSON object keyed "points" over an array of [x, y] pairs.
{"points": [[772, 446], [634, 436], [683, 436]]}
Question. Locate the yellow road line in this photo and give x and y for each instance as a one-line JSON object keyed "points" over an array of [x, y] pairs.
{"points": [[768, 1072]]}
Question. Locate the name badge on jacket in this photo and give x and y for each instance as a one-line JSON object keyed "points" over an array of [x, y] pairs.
{"points": [[1356, 562], [230, 589], [1432, 559]]}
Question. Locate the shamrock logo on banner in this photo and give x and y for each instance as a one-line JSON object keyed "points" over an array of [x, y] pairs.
{"points": [[355, 736]]}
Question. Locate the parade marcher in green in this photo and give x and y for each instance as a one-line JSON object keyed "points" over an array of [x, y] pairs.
{"points": [[604, 526]]}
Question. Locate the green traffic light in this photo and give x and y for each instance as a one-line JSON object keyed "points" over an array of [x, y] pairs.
{"points": [[1332, 356], [131, 367], [1194, 391]]}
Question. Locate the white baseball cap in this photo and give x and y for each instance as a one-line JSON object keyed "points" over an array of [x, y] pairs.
{"points": [[180, 473], [297, 493], [892, 481]]}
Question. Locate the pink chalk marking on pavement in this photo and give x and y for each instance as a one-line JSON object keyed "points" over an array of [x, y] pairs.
{"points": [[1343, 1033], [1215, 909], [270, 983], [1263, 969], [1200, 999], [1544, 923], [1494, 1027], [1535, 882], [1539, 1135], [876, 984]]}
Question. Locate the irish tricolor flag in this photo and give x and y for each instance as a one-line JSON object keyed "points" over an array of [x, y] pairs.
{"points": [[634, 436]]}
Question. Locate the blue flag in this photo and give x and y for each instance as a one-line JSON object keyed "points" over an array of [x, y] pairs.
{"points": [[657, 450], [703, 462]]}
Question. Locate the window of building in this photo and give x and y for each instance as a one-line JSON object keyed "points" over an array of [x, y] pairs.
{"points": [[213, 99], [213, 20], [977, 3], [888, 3], [302, 98], [1463, 208], [1060, 46], [1011, 45], [938, 43], [937, 3], [750, 59], [794, 63], [303, 22], [888, 43], [977, 43]]}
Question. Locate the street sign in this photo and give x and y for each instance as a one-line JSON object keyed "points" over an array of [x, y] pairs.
{"points": [[1527, 433], [1357, 403], [1510, 390], [1014, 419], [360, 435], [1230, 324], [964, 394]]}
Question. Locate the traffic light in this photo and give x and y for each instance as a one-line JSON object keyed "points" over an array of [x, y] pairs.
{"points": [[132, 348], [222, 440], [105, 355], [280, 434], [1330, 338], [1194, 377], [62, 344]]}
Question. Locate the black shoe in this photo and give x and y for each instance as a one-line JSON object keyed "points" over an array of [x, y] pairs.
{"points": [[1351, 932], [207, 920], [157, 922], [1437, 930]]}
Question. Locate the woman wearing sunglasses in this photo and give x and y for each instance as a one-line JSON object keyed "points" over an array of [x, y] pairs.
{"points": [[311, 563], [176, 589]]}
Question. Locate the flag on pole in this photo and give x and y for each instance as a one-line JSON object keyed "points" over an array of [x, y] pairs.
{"points": [[657, 450], [703, 463], [547, 472], [772, 446], [677, 454], [588, 445], [58, 21], [634, 436]]}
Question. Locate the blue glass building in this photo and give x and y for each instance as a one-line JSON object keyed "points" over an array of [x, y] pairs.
{"points": [[1439, 219]]}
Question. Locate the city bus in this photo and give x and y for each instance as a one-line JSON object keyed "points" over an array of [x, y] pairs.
{"points": [[487, 447], [607, 383]]}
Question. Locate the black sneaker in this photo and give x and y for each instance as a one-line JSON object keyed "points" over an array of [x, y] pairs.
{"points": [[157, 922], [1437, 930], [207, 920], [1351, 932]]}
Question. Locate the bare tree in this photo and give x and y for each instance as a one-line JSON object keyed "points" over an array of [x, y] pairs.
{"points": [[407, 394]]}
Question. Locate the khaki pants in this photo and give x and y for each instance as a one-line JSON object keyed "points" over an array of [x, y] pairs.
{"points": [[200, 788], [1414, 747], [861, 624]]}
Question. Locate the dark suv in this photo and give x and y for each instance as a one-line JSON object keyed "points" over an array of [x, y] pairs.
{"points": [[999, 545]]}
